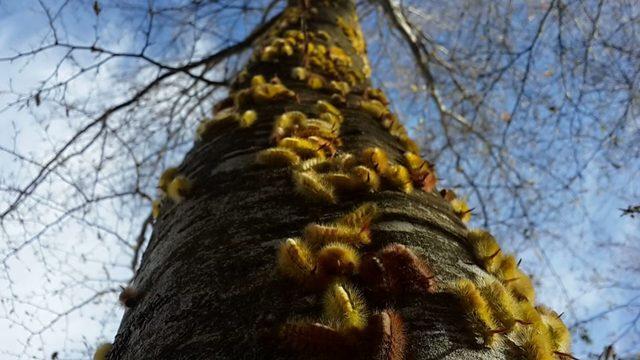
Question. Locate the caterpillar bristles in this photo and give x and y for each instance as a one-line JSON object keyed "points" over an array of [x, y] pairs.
{"points": [[324, 106], [165, 179], [314, 338], [277, 157], [102, 351], [422, 172], [315, 164], [341, 87], [342, 182], [485, 249], [503, 304], [155, 208], [558, 332], [533, 343], [345, 161], [248, 118], [315, 81], [224, 120], [361, 217], [368, 178], [374, 108], [461, 209], [303, 147], [345, 306], [319, 234], [515, 280], [129, 296], [398, 176], [477, 310], [311, 185], [299, 73], [376, 94], [385, 337], [404, 272], [264, 93], [375, 158], [337, 259], [330, 118], [296, 261], [285, 124], [179, 188]]}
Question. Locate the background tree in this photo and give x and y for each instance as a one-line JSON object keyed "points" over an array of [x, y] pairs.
{"points": [[508, 82]]}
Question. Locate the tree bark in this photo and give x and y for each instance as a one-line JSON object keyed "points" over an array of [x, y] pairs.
{"points": [[209, 284]]}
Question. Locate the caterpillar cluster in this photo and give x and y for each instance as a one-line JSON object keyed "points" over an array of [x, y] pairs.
{"points": [[325, 258], [504, 304]]}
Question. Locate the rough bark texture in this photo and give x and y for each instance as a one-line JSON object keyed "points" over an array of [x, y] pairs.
{"points": [[211, 289]]}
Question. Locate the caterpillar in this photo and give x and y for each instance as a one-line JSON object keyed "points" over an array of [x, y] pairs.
{"points": [[296, 261], [102, 351], [398, 176], [312, 186], [385, 337], [179, 188], [278, 157], [485, 249], [319, 234], [477, 310], [344, 305], [396, 269], [129, 296], [337, 259], [165, 179], [375, 158]]}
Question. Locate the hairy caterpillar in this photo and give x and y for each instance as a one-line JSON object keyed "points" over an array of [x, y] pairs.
{"points": [[340, 87], [285, 123], [312, 186], [179, 188], [129, 296], [476, 309], [558, 333], [278, 157], [398, 176], [296, 261], [299, 73], [461, 209], [361, 217], [485, 249], [376, 94], [503, 304], [396, 269], [324, 106], [534, 343], [222, 121], [165, 179], [367, 177], [516, 281], [345, 306], [374, 108], [102, 351], [248, 118], [318, 234], [385, 335], [302, 147], [375, 158], [342, 182], [337, 259], [422, 172], [315, 81]]}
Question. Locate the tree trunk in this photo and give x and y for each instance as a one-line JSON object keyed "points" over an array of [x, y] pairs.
{"points": [[209, 284]]}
